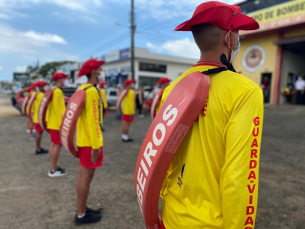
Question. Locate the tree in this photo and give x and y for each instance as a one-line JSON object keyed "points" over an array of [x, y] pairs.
{"points": [[51, 67]]}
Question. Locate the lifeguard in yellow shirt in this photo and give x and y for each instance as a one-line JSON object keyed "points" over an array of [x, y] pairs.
{"points": [[212, 181], [128, 110], [32, 91], [104, 99], [39, 130], [55, 112], [89, 140]]}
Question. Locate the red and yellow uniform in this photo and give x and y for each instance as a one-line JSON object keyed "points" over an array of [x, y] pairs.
{"points": [[89, 134], [28, 105], [35, 111], [104, 99], [55, 113], [129, 106], [212, 181]]}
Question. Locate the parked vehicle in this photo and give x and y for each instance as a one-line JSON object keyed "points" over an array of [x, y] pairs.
{"points": [[111, 96], [68, 92], [18, 99]]}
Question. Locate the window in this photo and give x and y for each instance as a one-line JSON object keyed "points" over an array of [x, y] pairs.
{"points": [[152, 67], [113, 93]]}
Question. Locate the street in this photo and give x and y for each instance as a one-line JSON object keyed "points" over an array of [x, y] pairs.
{"points": [[29, 199]]}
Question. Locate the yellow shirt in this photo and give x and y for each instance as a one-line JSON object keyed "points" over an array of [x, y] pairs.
{"points": [[36, 106], [56, 109], [212, 181], [129, 103], [104, 98], [89, 133]]}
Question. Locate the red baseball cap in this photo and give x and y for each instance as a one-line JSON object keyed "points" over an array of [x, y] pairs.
{"points": [[102, 83], [164, 80], [59, 75], [90, 65], [33, 85], [128, 81], [41, 83], [28, 89], [224, 16]]}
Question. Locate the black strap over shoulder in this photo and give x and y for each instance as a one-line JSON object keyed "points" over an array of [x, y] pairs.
{"points": [[215, 70]]}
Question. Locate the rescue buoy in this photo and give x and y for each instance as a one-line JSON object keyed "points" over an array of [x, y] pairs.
{"points": [[69, 121], [25, 103], [31, 103], [120, 99], [155, 104], [44, 107], [168, 129]]}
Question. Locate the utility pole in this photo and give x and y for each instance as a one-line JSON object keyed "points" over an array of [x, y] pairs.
{"points": [[132, 28]]}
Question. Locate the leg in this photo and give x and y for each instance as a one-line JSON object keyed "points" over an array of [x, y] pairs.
{"points": [[127, 128], [30, 126], [38, 140], [54, 154], [82, 187]]}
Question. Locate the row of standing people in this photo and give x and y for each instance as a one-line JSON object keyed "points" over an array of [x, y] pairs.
{"points": [[89, 131]]}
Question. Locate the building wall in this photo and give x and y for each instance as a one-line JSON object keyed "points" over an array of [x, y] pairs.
{"points": [[269, 66], [292, 63], [173, 70], [294, 33]]}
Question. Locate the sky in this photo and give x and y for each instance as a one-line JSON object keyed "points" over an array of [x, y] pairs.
{"points": [[75, 30]]}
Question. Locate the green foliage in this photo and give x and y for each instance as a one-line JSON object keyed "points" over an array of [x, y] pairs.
{"points": [[51, 67]]}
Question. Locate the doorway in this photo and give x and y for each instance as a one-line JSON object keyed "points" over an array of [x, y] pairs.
{"points": [[266, 80]]}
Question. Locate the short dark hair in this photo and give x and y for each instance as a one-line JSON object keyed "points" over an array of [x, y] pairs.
{"points": [[206, 36], [89, 75]]}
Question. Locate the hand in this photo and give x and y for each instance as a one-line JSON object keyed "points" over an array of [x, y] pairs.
{"points": [[95, 154]]}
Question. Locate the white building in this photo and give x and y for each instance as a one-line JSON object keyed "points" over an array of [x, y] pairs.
{"points": [[149, 67]]}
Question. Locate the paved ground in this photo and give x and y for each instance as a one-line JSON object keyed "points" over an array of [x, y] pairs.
{"points": [[31, 200]]}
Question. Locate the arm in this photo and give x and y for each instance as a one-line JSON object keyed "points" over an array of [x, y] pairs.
{"points": [[239, 177], [92, 113]]}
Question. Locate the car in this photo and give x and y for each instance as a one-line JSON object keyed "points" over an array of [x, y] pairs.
{"points": [[18, 100], [111, 95], [68, 92]]}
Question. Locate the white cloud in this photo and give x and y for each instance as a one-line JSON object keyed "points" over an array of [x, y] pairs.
{"points": [[20, 68], [182, 47], [44, 37], [31, 44], [1, 68]]}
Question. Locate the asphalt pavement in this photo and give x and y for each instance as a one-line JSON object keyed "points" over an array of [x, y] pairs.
{"points": [[29, 199]]}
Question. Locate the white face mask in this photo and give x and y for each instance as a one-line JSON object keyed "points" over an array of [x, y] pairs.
{"points": [[233, 53]]}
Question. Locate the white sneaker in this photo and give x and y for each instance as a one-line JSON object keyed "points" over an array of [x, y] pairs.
{"points": [[28, 131], [141, 116], [58, 173], [34, 131]]}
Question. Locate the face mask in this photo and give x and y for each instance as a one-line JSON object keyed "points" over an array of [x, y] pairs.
{"points": [[234, 53]]}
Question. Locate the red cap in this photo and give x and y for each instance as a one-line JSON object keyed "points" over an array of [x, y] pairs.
{"points": [[59, 75], [128, 81], [28, 89], [90, 65], [102, 84], [33, 85], [163, 80], [224, 16], [41, 83]]}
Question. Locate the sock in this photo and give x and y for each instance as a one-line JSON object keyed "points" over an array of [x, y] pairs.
{"points": [[81, 216], [125, 137]]}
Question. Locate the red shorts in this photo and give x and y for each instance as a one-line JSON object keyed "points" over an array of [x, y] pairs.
{"points": [[127, 118], [85, 158], [38, 128], [106, 111], [55, 138]]}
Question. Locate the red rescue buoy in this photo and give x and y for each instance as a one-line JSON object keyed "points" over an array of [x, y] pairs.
{"points": [[120, 99], [169, 127], [155, 104], [31, 103], [25, 103], [44, 107], [69, 121]]}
